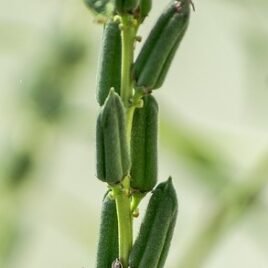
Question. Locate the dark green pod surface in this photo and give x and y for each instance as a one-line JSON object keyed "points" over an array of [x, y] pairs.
{"points": [[112, 150], [109, 69], [144, 146], [108, 236], [145, 8], [152, 244], [152, 39], [161, 45], [167, 64], [126, 6]]}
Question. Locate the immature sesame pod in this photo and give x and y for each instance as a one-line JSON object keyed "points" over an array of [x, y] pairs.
{"points": [[108, 234], [144, 146], [109, 69], [145, 8], [126, 6], [152, 244], [112, 149], [159, 48], [166, 66]]}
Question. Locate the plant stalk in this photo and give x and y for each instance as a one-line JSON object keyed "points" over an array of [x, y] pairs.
{"points": [[128, 35], [121, 192], [124, 216]]}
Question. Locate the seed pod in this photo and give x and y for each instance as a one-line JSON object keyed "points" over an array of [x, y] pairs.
{"points": [[109, 69], [166, 66], [153, 37], [126, 6], [112, 150], [144, 146], [145, 8], [161, 45], [108, 236], [153, 241]]}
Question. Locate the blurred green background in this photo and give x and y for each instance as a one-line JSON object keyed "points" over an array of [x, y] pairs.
{"points": [[213, 135]]}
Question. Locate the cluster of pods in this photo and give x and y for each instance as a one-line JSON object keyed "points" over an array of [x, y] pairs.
{"points": [[117, 156]]}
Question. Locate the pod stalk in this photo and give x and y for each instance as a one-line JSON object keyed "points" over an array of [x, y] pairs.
{"points": [[128, 36], [124, 217]]}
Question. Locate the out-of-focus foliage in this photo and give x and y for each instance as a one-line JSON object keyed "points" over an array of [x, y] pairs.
{"points": [[42, 101], [198, 154], [50, 85], [45, 97], [236, 201]]}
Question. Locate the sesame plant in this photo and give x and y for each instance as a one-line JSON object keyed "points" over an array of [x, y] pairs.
{"points": [[126, 131]]}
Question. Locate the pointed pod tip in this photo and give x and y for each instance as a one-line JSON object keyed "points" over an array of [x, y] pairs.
{"points": [[111, 97], [108, 196], [183, 7], [168, 189], [169, 186], [166, 186], [112, 93]]}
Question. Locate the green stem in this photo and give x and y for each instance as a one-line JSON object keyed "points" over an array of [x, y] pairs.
{"points": [[124, 215], [130, 113], [122, 192], [136, 199], [128, 35]]}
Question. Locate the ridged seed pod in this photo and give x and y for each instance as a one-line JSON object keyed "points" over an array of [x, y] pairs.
{"points": [[144, 146], [109, 68], [159, 49], [167, 64], [151, 246], [108, 235], [112, 150], [126, 6], [145, 8]]}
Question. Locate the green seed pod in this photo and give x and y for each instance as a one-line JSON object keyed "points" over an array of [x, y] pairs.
{"points": [[161, 45], [144, 146], [126, 6], [152, 244], [112, 150], [108, 236], [145, 8], [109, 69], [166, 66], [153, 37]]}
